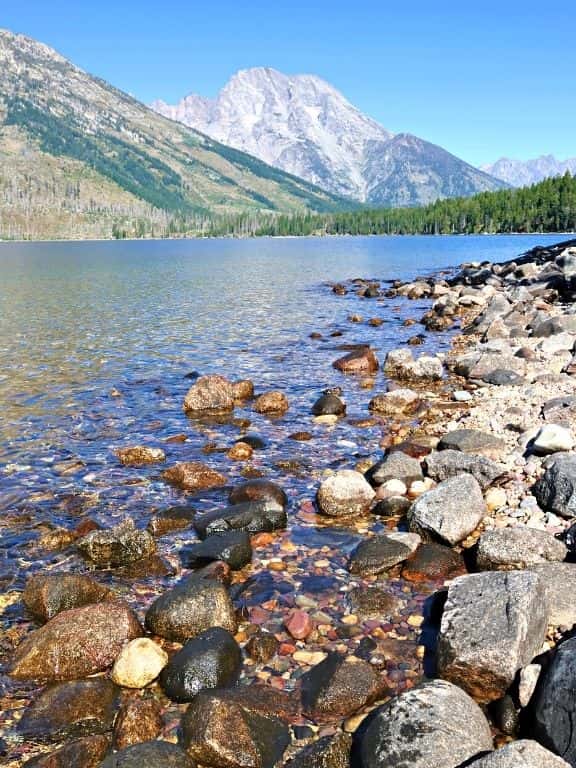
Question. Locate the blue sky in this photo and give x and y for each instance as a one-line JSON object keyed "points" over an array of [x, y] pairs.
{"points": [[483, 79]]}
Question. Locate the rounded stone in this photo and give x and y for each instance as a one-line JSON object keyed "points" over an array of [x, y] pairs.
{"points": [[345, 493], [139, 663], [274, 402]]}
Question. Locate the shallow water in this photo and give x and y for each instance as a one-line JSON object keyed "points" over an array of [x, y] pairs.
{"points": [[96, 340]]}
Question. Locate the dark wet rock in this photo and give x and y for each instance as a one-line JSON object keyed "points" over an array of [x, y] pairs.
{"points": [[262, 647], [449, 512], [434, 724], [559, 580], [150, 567], [556, 489], [433, 562], [442, 465], [220, 730], [502, 377], [140, 455], [521, 754], [252, 517], [337, 687], [552, 714], [87, 752], [211, 660], [76, 643], [509, 549], [138, 720], [274, 402], [361, 360], [46, 595], [172, 519], [258, 490], [210, 395], [191, 607], [472, 441], [379, 553], [329, 405], [336, 538], [70, 709], [232, 547], [193, 476], [505, 715], [395, 466], [150, 754], [344, 493], [120, 545], [493, 624], [243, 389], [255, 442], [327, 752], [369, 602], [555, 325]]}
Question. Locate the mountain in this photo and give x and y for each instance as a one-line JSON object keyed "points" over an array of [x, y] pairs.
{"points": [[519, 173], [304, 126], [79, 157]]}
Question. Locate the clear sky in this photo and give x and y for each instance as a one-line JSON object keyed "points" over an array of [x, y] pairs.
{"points": [[481, 78]]}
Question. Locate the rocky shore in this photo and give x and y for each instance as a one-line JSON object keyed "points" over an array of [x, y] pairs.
{"points": [[420, 614]]}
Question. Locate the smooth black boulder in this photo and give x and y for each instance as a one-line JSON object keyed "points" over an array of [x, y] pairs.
{"points": [[258, 490], [251, 516], [213, 659], [232, 547], [329, 405]]}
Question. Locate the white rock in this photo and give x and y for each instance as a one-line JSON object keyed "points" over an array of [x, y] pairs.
{"points": [[553, 438], [139, 663], [462, 396], [345, 493], [528, 678]]}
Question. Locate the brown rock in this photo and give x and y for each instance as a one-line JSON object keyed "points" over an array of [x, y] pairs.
{"points": [[328, 752], [210, 395], [243, 390], [258, 490], [368, 602], [362, 360], [433, 562], [240, 452], [80, 753], [76, 643], [262, 646], [193, 476], [171, 519], [271, 402], [46, 595], [139, 455], [138, 720], [120, 545]]}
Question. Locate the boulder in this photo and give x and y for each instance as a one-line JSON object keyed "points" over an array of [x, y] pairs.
{"points": [[379, 553], [191, 607], [559, 580], [226, 731], [87, 752], [76, 643], [503, 377], [362, 360], [521, 754], [150, 754], [555, 325], [400, 364], [560, 410], [442, 465], [259, 490], [339, 686], [433, 562], [210, 395], [344, 493], [552, 438], [70, 709], [328, 752], [243, 389], [329, 405], [140, 455], [139, 663], [232, 547], [138, 720], [552, 713], [493, 624], [449, 512], [434, 724], [397, 402], [395, 466], [250, 516], [213, 659], [274, 402], [510, 549], [473, 441], [193, 476], [120, 545], [556, 489], [46, 595]]}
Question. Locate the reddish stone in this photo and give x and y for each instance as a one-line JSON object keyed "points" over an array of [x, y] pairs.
{"points": [[86, 526], [362, 360], [286, 649], [138, 720], [433, 562], [261, 540], [299, 624], [258, 615], [193, 476]]}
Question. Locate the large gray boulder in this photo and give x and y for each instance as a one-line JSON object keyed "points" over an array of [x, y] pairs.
{"points": [[210, 395], [441, 465], [559, 580], [434, 724], [521, 754], [553, 706], [511, 549], [450, 511], [556, 489], [396, 466], [473, 441], [493, 624]]}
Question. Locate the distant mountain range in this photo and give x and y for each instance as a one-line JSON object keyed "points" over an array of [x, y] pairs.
{"points": [[79, 157], [519, 173], [304, 126]]}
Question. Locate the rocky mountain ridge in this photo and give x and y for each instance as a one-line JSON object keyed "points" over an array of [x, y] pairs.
{"points": [[521, 173]]}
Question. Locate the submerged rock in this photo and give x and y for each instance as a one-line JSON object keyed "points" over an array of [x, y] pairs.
{"points": [[329, 404], [434, 724], [213, 659], [344, 493], [140, 455], [46, 595], [171, 519], [232, 547], [120, 545], [193, 476], [210, 395]]}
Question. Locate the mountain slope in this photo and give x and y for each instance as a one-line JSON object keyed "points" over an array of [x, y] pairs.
{"points": [[60, 126], [304, 126], [520, 173]]}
